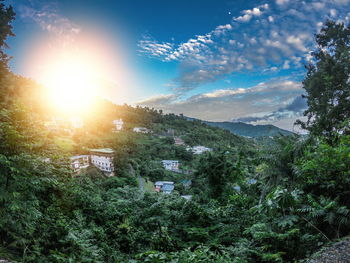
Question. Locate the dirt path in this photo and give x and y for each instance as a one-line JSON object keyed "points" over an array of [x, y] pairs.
{"points": [[141, 184], [139, 178]]}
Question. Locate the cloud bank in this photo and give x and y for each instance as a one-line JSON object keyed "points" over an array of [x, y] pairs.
{"points": [[293, 110], [274, 36], [268, 102]]}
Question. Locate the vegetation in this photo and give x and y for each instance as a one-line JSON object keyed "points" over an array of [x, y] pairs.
{"points": [[250, 130], [297, 202], [327, 81]]}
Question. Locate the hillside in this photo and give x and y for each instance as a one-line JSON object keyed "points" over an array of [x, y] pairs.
{"points": [[114, 183], [246, 204], [249, 130]]}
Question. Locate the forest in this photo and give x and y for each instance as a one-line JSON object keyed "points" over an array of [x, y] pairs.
{"points": [[297, 203]]}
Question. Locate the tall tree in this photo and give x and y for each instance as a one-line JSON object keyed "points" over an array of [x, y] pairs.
{"points": [[6, 16], [327, 82], [220, 172]]}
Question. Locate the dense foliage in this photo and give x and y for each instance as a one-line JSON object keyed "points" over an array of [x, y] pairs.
{"points": [[327, 81], [248, 205]]}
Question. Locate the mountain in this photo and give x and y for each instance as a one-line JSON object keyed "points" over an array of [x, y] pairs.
{"points": [[250, 130]]}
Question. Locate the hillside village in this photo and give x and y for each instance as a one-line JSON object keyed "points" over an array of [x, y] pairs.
{"points": [[104, 160], [108, 183]]}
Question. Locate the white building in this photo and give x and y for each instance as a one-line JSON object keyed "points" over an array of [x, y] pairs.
{"points": [[187, 197], [76, 122], [171, 165], [164, 186], [199, 149], [51, 125], [118, 125], [79, 162], [103, 160], [178, 141], [141, 130]]}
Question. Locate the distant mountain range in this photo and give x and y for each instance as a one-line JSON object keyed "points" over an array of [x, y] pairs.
{"points": [[244, 129], [250, 130]]}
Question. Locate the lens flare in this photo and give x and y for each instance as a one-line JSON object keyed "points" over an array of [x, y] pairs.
{"points": [[93, 65], [72, 82]]}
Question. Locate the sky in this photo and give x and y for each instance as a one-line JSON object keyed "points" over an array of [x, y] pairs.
{"points": [[216, 60]]}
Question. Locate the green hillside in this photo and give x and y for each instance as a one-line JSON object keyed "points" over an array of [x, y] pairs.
{"points": [[235, 203]]}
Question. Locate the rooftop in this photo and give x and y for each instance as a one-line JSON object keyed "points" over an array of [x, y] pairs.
{"points": [[163, 182], [168, 187], [102, 150], [78, 157], [200, 147]]}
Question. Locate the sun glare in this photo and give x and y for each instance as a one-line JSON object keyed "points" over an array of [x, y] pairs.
{"points": [[72, 83], [75, 73]]}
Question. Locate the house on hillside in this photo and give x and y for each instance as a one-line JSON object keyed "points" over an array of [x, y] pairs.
{"points": [[186, 183], [187, 197], [164, 186], [79, 162], [76, 123], [141, 130], [199, 149], [170, 132], [178, 141], [252, 181], [237, 188], [103, 159], [171, 165], [118, 125], [51, 125], [45, 159]]}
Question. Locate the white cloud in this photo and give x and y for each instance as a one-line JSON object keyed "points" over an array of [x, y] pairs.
{"points": [[273, 35], [318, 5], [284, 117], [333, 12], [342, 2], [160, 100], [281, 2], [286, 64], [48, 18], [153, 48], [248, 14], [297, 41], [228, 104]]}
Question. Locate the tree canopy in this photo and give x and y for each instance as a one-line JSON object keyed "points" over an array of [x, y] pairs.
{"points": [[327, 82]]}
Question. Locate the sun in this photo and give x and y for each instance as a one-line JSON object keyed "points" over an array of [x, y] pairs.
{"points": [[72, 82]]}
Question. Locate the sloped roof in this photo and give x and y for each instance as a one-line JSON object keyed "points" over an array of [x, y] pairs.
{"points": [[186, 182], [168, 187], [160, 183]]}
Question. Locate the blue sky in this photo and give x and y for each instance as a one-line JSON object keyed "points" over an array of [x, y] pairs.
{"points": [[213, 60]]}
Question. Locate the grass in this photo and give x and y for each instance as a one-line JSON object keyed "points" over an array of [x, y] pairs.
{"points": [[64, 143], [148, 186]]}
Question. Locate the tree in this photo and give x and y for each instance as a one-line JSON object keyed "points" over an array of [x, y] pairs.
{"points": [[220, 172], [6, 16], [327, 81]]}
